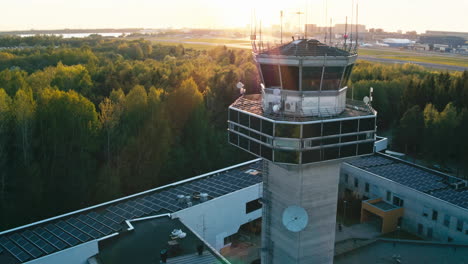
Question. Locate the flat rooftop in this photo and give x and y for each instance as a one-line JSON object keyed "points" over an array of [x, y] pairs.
{"points": [[253, 104], [415, 177], [384, 206], [52, 235], [386, 251], [144, 244]]}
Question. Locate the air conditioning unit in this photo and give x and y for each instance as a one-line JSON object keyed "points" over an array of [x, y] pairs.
{"points": [[290, 106]]}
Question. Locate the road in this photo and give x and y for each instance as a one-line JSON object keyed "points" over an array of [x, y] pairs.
{"points": [[424, 64]]}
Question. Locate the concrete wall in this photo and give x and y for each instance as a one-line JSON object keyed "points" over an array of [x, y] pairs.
{"points": [[74, 255], [221, 217], [415, 204], [314, 188]]}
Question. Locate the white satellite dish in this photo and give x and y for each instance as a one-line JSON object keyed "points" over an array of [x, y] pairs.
{"points": [[276, 91], [239, 85], [366, 99], [276, 108]]}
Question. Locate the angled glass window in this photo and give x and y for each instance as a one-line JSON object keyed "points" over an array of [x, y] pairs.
{"points": [[349, 126], [348, 150], [255, 123], [312, 130], [348, 138], [330, 141], [233, 115], [254, 147], [332, 78], [284, 156], [290, 77], [311, 77], [348, 70], [287, 131], [365, 148], [233, 138], [270, 75], [311, 156], [266, 152], [367, 124], [244, 119], [331, 128], [267, 127], [243, 143], [330, 153]]}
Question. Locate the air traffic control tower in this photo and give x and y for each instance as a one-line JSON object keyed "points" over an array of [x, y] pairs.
{"points": [[303, 126]]}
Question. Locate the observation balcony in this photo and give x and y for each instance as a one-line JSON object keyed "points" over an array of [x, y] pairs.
{"points": [[299, 139]]}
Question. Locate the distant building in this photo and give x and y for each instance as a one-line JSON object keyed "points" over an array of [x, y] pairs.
{"points": [[342, 28]]}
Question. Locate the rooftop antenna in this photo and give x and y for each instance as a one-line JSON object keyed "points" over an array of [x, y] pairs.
{"points": [[253, 37], [357, 31], [305, 28], [345, 32], [326, 18], [351, 35], [281, 26], [299, 13], [261, 41]]}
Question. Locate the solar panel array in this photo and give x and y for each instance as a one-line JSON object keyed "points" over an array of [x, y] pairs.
{"points": [[38, 241], [458, 197], [413, 177]]}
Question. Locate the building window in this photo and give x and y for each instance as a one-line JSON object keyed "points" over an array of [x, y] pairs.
{"points": [[389, 196], [398, 201], [253, 206], [459, 225], [447, 220], [367, 187], [429, 232], [346, 178], [420, 229], [434, 215], [356, 182]]}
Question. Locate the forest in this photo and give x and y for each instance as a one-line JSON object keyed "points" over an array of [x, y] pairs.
{"points": [[83, 121]]}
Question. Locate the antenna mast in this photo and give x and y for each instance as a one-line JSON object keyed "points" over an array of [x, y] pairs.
{"points": [[346, 32], [281, 26], [357, 31]]}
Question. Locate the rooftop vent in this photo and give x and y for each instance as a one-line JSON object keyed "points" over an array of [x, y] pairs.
{"points": [[203, 197], [180, 198]]}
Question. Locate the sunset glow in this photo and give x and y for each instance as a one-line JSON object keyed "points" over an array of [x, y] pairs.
{"points": [[390, 15]]}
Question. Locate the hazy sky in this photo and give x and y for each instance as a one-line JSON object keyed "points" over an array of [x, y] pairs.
{"points": [[419, 15]]}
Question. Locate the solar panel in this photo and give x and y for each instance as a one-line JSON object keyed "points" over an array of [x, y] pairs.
{"points": [[141, 207], [17, 252], [114, 217], [54, 241], [44, 246], [26, 245], [105, 221], [94, 224], [116, 210], [151, 205], [84, 228], [62, 235], [73, 231], [131, 210]]}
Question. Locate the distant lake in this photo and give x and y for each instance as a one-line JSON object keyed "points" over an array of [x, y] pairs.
{"points": [[78, 35]]}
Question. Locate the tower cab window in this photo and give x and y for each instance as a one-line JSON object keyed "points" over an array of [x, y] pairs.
{"points": [[290, 77]]}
